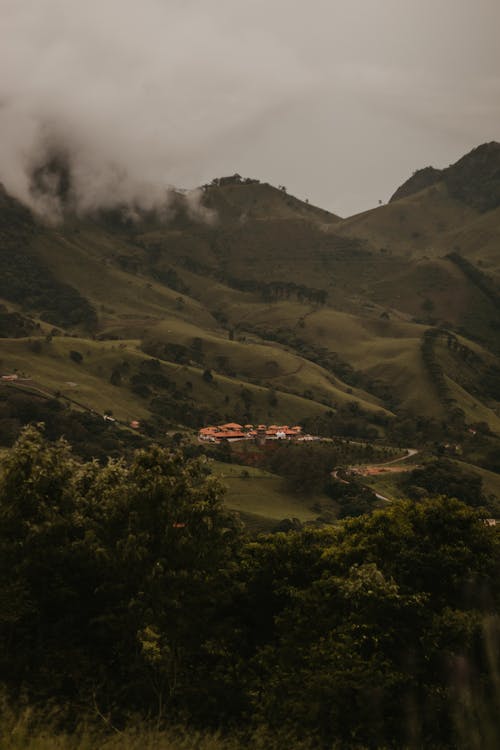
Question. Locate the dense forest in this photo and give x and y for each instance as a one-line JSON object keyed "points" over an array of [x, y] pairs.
{"points": [[129, 592]]}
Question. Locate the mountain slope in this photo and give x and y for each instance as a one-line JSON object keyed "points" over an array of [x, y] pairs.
{"points": [[474, 179], [259, 306]]}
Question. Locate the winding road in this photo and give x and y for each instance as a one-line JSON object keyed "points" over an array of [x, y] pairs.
{"points": [[358, 470]]}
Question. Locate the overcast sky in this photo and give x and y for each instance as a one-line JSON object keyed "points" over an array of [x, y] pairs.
{"points": [[339, 100]]}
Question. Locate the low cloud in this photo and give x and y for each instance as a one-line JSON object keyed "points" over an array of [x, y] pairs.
{"points": [[335, 100], [129, 98]]}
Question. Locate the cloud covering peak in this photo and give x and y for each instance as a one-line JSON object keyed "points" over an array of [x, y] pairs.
{"points": [[131, 96], [339, 101]]}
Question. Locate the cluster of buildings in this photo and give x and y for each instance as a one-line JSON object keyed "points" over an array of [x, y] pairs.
{"points": [[233, 432]]}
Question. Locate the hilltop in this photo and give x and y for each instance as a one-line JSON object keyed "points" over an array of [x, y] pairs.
{"points": [[474, 179]]}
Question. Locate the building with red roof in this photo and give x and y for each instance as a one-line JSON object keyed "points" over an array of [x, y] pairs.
{"points": [[233, 431]]}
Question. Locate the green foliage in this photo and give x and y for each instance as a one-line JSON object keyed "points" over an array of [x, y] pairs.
{"points": [[14, 325], [477, 277], [30, 729], [76, 356], [275, 291], [363, 642], [26, 280], [308, 468], [434, 369], [443, 477], [101, 568], [348, 420], [170, 278], [89, 434], [354, 499], [127, 588]]}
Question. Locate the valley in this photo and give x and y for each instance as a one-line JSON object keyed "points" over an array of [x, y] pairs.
{"points": [[382, 326]]}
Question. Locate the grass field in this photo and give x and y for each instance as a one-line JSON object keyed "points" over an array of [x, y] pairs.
{"points": [[259, 493]]}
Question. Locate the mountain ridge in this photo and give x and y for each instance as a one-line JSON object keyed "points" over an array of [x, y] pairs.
{"points": [[474, 178]]}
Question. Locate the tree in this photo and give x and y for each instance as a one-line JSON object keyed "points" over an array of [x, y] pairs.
{"points": [[353, 498], [443, 477], [116, 376], [339, 669], [129, 587], [108, 569], [76, 356], [207, 376], [363, 629], [36, 535]]}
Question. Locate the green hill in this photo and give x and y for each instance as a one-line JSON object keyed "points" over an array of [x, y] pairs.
{"points": [[293, 312]]}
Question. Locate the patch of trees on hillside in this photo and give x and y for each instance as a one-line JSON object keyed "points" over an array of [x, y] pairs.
{"points": [[477, 277], [324, 357], [13, 325], [348, 420], [276, 291], [310, 469], [170, 278], [445, 477], [480, 378], [90, 435], [27, 282], [268, 291], [436, 372]]}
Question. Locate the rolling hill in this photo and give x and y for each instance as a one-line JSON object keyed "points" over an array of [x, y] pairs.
{"points": [[263, 307]]}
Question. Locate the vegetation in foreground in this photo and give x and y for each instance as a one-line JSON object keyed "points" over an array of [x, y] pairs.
{"points": [[32, 731], [129, 594]]}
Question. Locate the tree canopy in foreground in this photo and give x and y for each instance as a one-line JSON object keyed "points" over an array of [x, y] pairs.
{"points": [[128, 590]]}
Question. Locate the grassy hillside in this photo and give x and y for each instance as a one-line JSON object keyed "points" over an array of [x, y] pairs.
{"points": [[413, 225], [259, 493], [293, 311], [233, 199], [50, 367]]}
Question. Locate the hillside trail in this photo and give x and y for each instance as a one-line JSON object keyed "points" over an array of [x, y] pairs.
{"points": [[371, 469], [288, 374], [409, 453], [385, 466], [374, 469], [366, 467]]}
